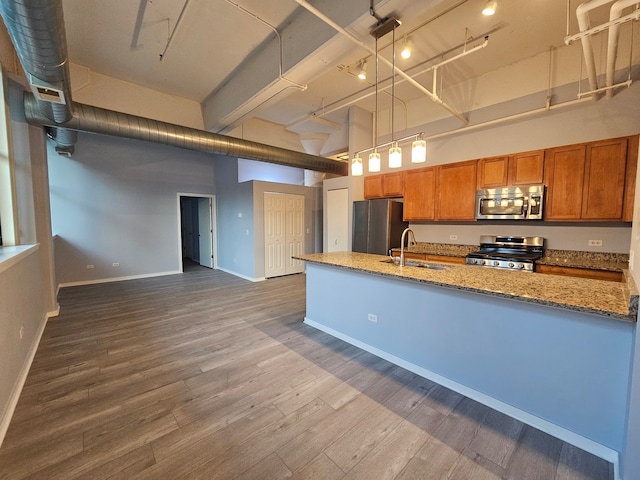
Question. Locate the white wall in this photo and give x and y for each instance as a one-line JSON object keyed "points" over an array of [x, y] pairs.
{"points": [[115, 201], [102, 91]]}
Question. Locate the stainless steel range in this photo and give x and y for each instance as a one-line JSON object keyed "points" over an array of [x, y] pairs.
{"points": [[511, 253]]}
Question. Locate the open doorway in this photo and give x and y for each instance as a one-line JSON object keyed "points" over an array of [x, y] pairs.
{"points": [[197, 230]]}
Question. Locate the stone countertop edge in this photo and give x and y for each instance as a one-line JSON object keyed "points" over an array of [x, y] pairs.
{"points": [[616, 300]]}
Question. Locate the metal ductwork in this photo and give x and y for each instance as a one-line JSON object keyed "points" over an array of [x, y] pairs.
{"points": [[87, 118], [36, 28]]}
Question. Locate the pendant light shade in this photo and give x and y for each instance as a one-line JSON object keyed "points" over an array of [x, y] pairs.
{"points": [[395, 156], [362, 71], [419, 151], [356, 166], [406, 48], [374, 161]]}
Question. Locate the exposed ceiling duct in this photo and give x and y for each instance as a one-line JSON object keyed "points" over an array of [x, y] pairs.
{"points": [[87, 118], [37, 30]]}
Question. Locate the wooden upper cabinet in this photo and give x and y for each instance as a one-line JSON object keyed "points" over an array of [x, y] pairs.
{"points": [[384, 185], [393, 184], [519, 169], [493, 172], [604, 180], [419, 194], [630, 185], [564, 177], [456, 187], [526, 168], [373, 186]]}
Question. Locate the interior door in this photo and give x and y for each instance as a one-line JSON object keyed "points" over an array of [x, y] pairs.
{"points": [[294, 228], [274, 235], [205, 232], [338, 220]]}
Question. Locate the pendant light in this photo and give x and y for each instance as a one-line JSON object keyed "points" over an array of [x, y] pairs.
{"points": [[490, 8], [356, 166], [374, 161], [395, 156], [419, 150], [395, 152], [362, 70]]}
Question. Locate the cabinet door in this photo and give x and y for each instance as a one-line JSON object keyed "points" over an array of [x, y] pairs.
{"points": [[630, 186], [393, 184], [373, 186], [492, 172], [456, 186], [564, 177], [419, 194], [526, 168], [604, 177]]}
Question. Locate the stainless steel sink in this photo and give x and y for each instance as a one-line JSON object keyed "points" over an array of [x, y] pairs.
{"points": [[414, 263]]}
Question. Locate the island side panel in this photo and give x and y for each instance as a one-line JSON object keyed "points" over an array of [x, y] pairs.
{"points": [[564, 367]]}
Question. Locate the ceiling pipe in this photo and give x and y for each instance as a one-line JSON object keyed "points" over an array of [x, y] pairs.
{"points": [[397, 70], [92, 119], [582, 14], [37, 32], [612, 46]]}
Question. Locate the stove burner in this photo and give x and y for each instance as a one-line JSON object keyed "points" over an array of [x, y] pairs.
{"points": [[511, 253]]}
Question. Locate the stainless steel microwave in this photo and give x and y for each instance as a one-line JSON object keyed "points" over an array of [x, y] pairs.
{"points": [[510, 203]]}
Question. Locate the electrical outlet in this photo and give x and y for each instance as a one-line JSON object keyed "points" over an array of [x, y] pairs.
{"points": [[595, 243], [89, 267], [453, 237], [115, 264], [372, 318]]}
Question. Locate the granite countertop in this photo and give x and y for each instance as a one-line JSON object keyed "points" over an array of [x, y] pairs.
{"points": [[618, 300], [612, 262]]}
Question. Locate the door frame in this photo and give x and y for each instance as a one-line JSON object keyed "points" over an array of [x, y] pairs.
{"points": [[214, 227]]}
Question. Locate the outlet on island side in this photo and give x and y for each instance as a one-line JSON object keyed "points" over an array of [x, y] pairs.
{"points": [[372, 317], [595, 243]]}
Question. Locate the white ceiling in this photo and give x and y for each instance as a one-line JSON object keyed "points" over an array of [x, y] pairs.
{"points": [[219, 45]]}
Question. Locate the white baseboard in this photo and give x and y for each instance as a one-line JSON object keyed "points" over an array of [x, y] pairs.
{"points": [[251, 279], [552, 429], [22, 378], [116, 279]]}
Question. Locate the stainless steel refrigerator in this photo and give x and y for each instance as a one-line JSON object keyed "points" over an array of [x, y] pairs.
{"points": [[377, 225]]}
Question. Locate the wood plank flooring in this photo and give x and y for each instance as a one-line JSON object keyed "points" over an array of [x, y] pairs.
{"points": [[208, 376]]}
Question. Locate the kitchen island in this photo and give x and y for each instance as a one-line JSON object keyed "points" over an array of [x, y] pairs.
{"points": [[551, 351]]}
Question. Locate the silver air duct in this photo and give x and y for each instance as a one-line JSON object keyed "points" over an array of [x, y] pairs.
{"points": [[91, 119], [37, 31]]}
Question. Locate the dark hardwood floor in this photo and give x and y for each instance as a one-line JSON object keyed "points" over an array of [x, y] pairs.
{"points": [[205, 375]]}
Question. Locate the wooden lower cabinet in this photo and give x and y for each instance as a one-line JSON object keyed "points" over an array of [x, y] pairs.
{"points": [[456, 191], [419, 194], [581, 273]]}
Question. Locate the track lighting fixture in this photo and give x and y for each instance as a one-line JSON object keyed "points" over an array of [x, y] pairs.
{"points": [[362, 70], [490, 8], [406, 48]]}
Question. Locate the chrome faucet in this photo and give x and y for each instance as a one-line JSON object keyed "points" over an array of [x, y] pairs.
{"points": [[412, 241]]}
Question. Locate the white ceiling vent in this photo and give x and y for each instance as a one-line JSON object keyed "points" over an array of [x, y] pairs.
{"points": [[46, 92]]}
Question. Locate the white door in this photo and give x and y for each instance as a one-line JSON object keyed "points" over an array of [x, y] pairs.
{"points": [[205, 232], [274, 235], [295, 232], [338, 220]]}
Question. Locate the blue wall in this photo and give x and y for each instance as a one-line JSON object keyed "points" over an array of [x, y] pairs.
{"points": [[563, 367]]}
